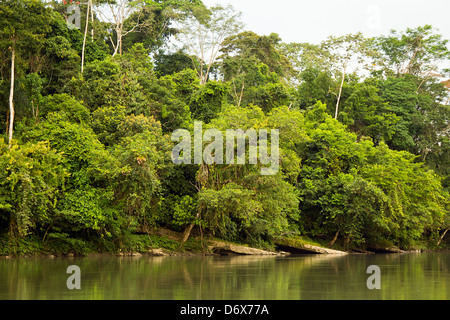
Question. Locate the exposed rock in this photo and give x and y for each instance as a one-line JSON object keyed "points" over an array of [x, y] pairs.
{"points": [[322, 250], [157, 252], [294, 250], [308, 249], [362, 251], [228, 248], [129, 254], [379, 249]]}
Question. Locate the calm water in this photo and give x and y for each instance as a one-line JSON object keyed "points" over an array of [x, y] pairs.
{"points": [[403, 276]]}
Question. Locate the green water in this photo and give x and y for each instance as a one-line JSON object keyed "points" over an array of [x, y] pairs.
{"points": [[403, 276]]}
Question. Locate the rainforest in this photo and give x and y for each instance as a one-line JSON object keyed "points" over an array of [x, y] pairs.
{"points": [[88, 113]]}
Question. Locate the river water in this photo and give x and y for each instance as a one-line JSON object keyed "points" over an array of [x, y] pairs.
{"points": [[300, 277]]}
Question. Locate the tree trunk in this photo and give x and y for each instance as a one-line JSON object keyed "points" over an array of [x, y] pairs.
{"points": [[92, 20], [334, 239], [188, 230], [7, 122], [119, 41], [238, 98], [340, 91], [442, 237], [84, 38], [11, 98]]}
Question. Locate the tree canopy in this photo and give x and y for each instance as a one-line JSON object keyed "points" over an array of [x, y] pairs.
{"points": [[364, 139]]}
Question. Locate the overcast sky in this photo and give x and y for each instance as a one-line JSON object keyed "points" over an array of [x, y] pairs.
{"points": [[313, 21]]}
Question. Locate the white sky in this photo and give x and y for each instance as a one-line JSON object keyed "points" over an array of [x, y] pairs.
{"points": [[313, 21]]}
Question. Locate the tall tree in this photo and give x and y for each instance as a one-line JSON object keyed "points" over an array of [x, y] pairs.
{"points": [[247, 44], [155, 22], [23, 25], [419, 52], [256, 70], [203, 33], [304, 56], [89, 9], [116, 13], [151, 18], [347, 51], [11, 97]]}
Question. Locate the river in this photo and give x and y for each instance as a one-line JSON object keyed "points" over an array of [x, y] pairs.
{"points": [[298, 277]]}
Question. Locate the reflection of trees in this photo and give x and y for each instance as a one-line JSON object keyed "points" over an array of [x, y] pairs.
{"points": [[404, 276]]}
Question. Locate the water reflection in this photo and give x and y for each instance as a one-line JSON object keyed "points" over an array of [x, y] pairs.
{"points": [[403, 276]]}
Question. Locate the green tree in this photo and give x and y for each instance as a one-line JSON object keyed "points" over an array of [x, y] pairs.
{"points": [[82, 206], [207, 102], [22, 29], [245, 45], [345, 50], [170, 63], [33, 174], [256, 70], [418, 52], [365, 113], [422, 119], [315, 85], [61, 54], [307, 56], [108, 83], [143, 154], [153, 24], [143, 21], [364, 193], [236, 202], [416, 206]]}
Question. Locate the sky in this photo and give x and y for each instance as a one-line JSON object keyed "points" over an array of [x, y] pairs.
{"points": [[313, 21]]}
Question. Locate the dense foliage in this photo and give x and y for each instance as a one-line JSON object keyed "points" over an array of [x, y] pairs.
{"points": [[364, 153]]}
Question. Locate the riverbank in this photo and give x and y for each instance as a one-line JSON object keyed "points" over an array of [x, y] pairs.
{"points": [[165, 242], [161, 242]]}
